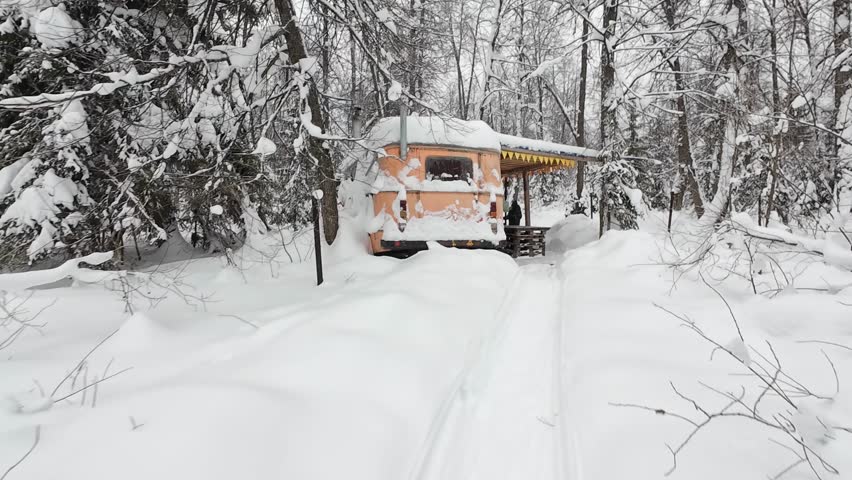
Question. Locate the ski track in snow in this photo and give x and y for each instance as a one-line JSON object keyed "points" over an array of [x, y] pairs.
{"points": [[502, 419]]}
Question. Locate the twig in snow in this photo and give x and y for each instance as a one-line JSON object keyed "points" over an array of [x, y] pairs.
{"points": [[15, 315], [826, 343], [834, 370], [766, 368], [89, 385], [133, 424], [728, 305], [95, 394], [788, 469], [545, 421], [692, 326], [82, 361], [657, 411], [240, 319], [21, 460]]}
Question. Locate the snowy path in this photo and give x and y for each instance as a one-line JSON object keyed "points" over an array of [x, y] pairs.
{"points": [[450, 365], [503, 420]]}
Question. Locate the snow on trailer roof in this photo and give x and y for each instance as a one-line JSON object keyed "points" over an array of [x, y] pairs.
{"points": [[516, 153], [473, 134]]}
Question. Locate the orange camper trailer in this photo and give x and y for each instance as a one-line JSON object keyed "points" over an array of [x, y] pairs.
{"points": [[441, 180], [438, 180]]}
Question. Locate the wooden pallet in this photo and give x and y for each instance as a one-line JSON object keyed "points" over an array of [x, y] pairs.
{"points": [[525, 241]]}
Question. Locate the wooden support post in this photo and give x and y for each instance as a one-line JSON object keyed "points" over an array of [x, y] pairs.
{"points": [[602, 210], [527, 199], [315, 215], [671, 207]]}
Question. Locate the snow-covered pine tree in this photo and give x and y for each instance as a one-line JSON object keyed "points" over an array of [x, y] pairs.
{"points": [[46, 196], [44, 152], [120, 122], [622, 199]]}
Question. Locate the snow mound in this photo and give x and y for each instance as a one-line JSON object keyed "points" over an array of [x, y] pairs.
{"points": [[137, 334], [571, 232], [621, 248], [435, 131], [355, 371], [352, 240]]}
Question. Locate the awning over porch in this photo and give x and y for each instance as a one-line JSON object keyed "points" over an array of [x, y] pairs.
{"points": [[519, 154], [522, 156]]}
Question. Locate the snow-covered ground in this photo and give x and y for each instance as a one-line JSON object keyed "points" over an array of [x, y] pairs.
{"points": [[451, 364]]}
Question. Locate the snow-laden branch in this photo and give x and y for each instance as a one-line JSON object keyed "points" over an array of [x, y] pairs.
{"points": [[69, 269], [831, 252], [237, 57], [125, 79]]}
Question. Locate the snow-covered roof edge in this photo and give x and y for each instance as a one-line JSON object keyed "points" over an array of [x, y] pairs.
{"points": [[423, 130], [472, 134], [511, 142]]}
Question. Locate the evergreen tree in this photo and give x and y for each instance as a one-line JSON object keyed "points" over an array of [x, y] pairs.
{"points": [[622, 199]]}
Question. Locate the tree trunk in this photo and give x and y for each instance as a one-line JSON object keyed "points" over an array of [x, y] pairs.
{"points": [[490, 72], [743, 80], [462, 111], [608, 103], [581, 106], [353, 77], [776, 108], [521, 112], [608, 117], [413, 58], [541, 110], [686, 174], [325, 166], [842, 173], [718, 206]]}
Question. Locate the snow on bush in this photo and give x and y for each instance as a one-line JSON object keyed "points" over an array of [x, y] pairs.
{"points": [[54, 28], [48, 190]]}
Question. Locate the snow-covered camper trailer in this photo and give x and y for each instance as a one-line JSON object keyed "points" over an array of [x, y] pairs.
{"points": [[442, 180]]}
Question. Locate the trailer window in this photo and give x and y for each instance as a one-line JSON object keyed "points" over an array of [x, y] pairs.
{"points": [[449, 168]]}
